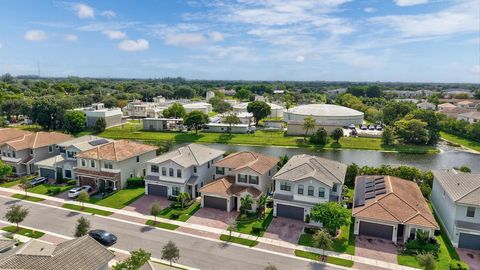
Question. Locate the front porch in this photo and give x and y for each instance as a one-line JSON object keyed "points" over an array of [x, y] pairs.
{"points": [[98, 180]]}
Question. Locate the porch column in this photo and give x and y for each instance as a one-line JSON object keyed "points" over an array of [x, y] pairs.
{"points": [[394, 236], [229, 204], [114, 185]]}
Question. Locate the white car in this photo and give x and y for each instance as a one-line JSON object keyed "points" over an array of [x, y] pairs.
{"points": [[73, 193]]}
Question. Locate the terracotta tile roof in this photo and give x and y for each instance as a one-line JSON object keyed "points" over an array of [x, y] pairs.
{"points": [[37, 140], [403, 203], [8, 134], [226, 187], [117, 150], [255, 161]]}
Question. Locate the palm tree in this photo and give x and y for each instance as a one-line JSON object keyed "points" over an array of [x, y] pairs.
{"points": [[246, 204], [308, 123], [262, 201], [282, 161], [183, 197]]}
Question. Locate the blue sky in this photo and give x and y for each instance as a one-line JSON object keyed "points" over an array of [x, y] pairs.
{"points": [[354, 40]]}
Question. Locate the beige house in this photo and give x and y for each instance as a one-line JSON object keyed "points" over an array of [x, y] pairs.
{"points": [[471, 117], [111, 164]]}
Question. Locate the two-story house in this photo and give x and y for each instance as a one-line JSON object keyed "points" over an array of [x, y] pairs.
{"points": [[22, 152], [304, 182], [456, 199], [185, 169], [112, 163], [237, 175], [63, 165]]}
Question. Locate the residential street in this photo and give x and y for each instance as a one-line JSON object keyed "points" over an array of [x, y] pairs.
{"points": [[195, 252]]}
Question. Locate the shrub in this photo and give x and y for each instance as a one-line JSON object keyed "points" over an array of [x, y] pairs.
{"points": [[420, 246], [256, 229], [71, 182], [307, 219], [174, 215], [310, 230], [135, 182], [53, 191], [457, 265]]}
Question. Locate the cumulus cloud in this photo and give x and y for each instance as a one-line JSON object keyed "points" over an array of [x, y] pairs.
{"points": [[133, 45], [216, 36], [300, 58], [370, 10], [114, 34], [71, 37], [83, 11], [406, 3], [185, 39], [109, 14], [35, 35]]}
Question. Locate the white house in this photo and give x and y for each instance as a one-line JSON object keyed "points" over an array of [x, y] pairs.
{"points": [[471, 117], [304, 182], [456, 199], [185, 169], [426, 106], [204, 107], [226, 128]]}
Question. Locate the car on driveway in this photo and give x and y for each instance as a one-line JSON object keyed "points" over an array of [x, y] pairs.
{"points": [[103, 237], [37, 181], [363, 127], [73, 193]]}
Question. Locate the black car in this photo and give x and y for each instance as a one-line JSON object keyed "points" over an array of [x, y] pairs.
{"points": [[103, 237]]}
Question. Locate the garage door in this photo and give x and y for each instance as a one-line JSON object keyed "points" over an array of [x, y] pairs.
{"points": [[47, 173], [215, 202], [376, 230], [469, 241], [289, 211], [157, 190]]}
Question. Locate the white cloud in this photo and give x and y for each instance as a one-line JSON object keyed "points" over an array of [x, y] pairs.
{"points": [[216, 36], [114, 34], [83, 11], [71, 37], [370, 10], [406, 3], [133, 45], [1, 45], [109, 14], [300, 58], [475, 69], [35, 35], [185, 39]]}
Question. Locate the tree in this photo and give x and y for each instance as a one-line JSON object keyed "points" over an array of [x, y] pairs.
{"points": [[184, 91], [231, 120], [49, 111], [387, 136], [332, 215], [246, 204], [5, 169], [243, 94], [465, 169], [137, 259], [25, 184], [219, 105], [12, 107], [261, 202], [319, 137], [427, 261], [183, 197], [393, 111], [308, 123], [109, 101], [175, 111], [155, 210], [352, 172], [270, 267], [259, 109], [282, 161], [170, 252], [83, 197], [337, 134], [412, 131], [373, 91], [16, 214], [358, 91], [100, 125], [323, 240], [82, 228], [74, 121], [429, 117], [195, 119]]}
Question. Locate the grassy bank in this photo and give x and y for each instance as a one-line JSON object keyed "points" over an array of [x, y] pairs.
{"points": [[27, 198], [179, 214], [161, 225], [461, 141], [23, 231]]}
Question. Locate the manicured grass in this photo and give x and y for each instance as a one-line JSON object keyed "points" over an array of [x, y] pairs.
{"points": [[23, 231], [317, 257], [27, 198], [408, 260], [43, 188], [247, 227], [184, 215], [162, 225], [10, 184], [462, 141], [87, 209], [238, 240], [121, 198]]}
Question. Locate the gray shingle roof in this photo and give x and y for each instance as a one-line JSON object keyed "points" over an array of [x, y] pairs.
{"points": [[301, 167], [6, 244], [189, 155], [461, 187], [81, 253]]}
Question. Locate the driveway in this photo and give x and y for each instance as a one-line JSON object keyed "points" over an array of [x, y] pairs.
{"points": [[213, 218], [471, 257], [375, 248], [285, 229], [143, 204]]}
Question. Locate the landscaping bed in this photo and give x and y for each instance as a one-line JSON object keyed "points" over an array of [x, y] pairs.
{"points": [[238, 240], [255, 226], [23, 231], [317, 257], [162, 225], [27, 198], [49, 189], [179, 214], [87, 209], [120, 198]]}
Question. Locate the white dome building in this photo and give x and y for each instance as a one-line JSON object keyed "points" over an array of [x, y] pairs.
{"points": [[276, 110]]}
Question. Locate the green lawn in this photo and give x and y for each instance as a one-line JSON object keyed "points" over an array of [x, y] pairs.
{"points": [[184, 215], [10, 184], [247, 227], [43, 188], [238, 240], [162, 225], [316, 257], [23, 231], [27, 198], [120, 198], [461, 141], [87, 209]]}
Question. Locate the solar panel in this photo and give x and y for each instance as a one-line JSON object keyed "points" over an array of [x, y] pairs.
{"points": [[380, 186], [370, 195], [369, 189], [381, 191], [379, 181], [359, 192], [369, 184], [98, 142]]}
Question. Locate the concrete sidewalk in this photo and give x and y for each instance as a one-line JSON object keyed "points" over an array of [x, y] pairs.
{"points": [[136, 217]]}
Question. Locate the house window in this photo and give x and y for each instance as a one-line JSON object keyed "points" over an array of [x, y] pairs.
{"points": [[68, 174], [220, 170], [194, 169], [62, 149], [253, 179], [310, 190], [14, 154], [321, 192], [242, 178], [31, 151], [334, 189], [92, 163], [138, 159], [208, 164], [413, 231], [84, 163], [170, 172], [108, 165], [470, 211], [70, 154], [179, 173], [300, 189], [175, 191], [285, 186], [269, 172], [50, 148], [4, 153], [164, 171], [154, 169], [9, 154]]}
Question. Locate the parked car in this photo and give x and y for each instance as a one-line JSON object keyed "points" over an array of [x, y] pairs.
{"points": [[73, 193], [363, 127], [351, 126], [103, 237], [378, 127], [371, 127], [38, 181]]}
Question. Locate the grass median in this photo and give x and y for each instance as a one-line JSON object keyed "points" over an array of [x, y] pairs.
{"points": [[238, 240], [317, 257], [87, 209], [162, 225], [27, 198], [179, 214], [23, 231]]}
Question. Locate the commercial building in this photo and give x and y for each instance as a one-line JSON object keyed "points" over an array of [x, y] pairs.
{"points": [[276, 110]]}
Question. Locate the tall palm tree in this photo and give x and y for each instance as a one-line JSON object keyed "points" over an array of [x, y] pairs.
{"points": [[246, 203], [183, 197]]}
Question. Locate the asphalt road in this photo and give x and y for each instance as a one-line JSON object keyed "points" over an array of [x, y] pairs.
{"points": [[194, 252]]}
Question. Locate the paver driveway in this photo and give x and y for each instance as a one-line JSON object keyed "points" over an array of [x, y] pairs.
{"points": [[375, 248], [471, 257], [213, 218], [284, 229], [144, 204]]}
